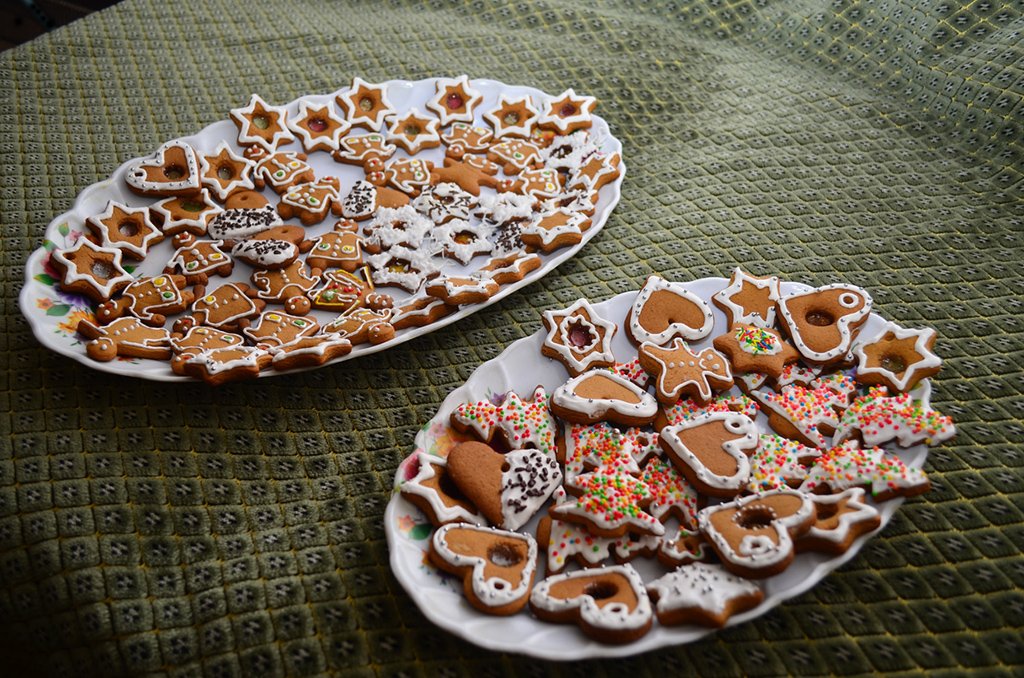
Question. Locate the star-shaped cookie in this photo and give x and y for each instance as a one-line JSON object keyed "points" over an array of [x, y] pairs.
{"points": [[568, 112], [579, 338], [414, 132], [748, 299], [455, 100], [678, 371], [365, 105], [319, 127], [897, 357], [512, 117], [756, 349], [261, 124], [841, 518], [558, 228]]}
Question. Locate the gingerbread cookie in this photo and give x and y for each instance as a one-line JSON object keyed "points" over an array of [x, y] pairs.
{"points": [[408, 175], [664, 310], [678, 371], [508, 489], [515, 155], [262, 125], [596, 172], [125, 228], [339, 248], [513, 422], [267, 254], [878, 418], [462, 240], [539, 184], [340, 291], [90, 270], [311, 351], [185, 214], [282, 170], [512, 117], [273, 329], [824, 322], [289, 286], [610, 604], [311, 202], [150, 299], [551, 230], [467, 174], [849, 465], [365, 199], [749, 299], [579, 338], [754, 535], [413, 131], [567, 112], [839, 520], [125, 337], [454, 100], [702, 594], [779, 462], [221, 365], [756, 349], [459, 290], [806, 415], [247, 213], [511, 268], [225, 172], [229, 307], [897, 358], [172, 170], [712, 451], [419, 311], [197, 260], [444, 202], [428, 488], [497, 566], [462, 138], [365, 104], [197, 339], [361, 325], [403, 226], [600, 395], [368, 151], [318, 127], [402, 267]]}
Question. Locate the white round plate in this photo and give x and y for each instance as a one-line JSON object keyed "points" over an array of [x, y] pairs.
{"points": [[521, 368], [54, 315]]}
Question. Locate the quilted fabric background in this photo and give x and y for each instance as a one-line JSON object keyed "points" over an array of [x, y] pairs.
{"points": [[153, 529]]}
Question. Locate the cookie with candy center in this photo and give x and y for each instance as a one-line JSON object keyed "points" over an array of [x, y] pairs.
{"points": [[897, 358], [824, 322], [579, 338]]}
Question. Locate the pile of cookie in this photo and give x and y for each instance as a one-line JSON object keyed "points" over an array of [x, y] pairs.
{"points": [[439, 234], [719, 465]]}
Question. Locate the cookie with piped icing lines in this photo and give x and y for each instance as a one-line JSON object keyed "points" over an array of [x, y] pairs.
{"points": [[150, 299], [823, 322], [497, 567], [678, 371], [579, 338], [602, 395], [702, 593], [754, 535], [507, 488], [897, 358], [459, 290], [749, 299], [664, 310], [173, 169], [262, 125], [127, 337], [712, 451], [428, 488], [840, 520], [610, 604], [90, 270]]}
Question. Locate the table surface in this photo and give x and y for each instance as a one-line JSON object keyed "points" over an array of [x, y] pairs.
{"points": [[169, 529]]}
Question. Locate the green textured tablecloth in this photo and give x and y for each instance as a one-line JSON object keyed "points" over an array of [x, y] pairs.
{"points": [[175, 530]]}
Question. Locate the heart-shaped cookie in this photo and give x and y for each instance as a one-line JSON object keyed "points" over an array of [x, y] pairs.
{"points": [[711, 451], [610, 604], [823, 322], [603, 395], [507, 488], [664, 310], [497, 567], [753, 535], [172, 170]]}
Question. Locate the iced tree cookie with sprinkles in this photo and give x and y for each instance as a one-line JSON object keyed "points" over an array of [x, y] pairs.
{"points": [[878, 418], [511, 421], [611, 501], [849, 465]]}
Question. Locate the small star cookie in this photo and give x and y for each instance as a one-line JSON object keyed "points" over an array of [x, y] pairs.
{"points": [[579, 338]]}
